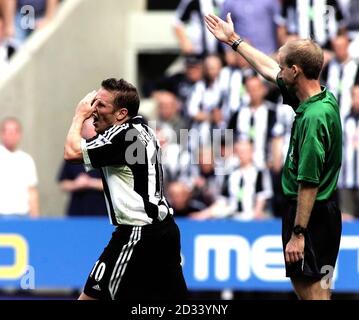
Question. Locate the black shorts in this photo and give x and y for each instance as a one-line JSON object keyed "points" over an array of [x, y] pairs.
{"points": [[321, 242], [140, 263]]}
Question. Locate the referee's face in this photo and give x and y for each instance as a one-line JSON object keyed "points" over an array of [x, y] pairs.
{"points": [[104, 115], [285, 72]]}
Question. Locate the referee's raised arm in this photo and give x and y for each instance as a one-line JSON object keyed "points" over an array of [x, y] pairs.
{"points": [[224, 32]]}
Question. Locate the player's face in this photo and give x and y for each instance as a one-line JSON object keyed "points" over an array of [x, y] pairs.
{"points": [[104, 115]]}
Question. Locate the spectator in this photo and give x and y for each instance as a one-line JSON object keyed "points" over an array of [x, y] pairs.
{"points": [[204, 180], [169, 113], [7, 14], [205, 100], [86, 188], [279, 148], [175, 160], [191, 33], [231, 81], [32, 15], [350, 9], [349, 176], [225, 158], [258, 21], [6, 49], [281, 135], [181, 84], [320, 20], [341, 73], [18, 176], [245, 191], [256, 120], [180, 197]]}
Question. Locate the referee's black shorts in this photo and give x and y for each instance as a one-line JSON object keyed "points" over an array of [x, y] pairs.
{"points": [[140, 263], [321, 242]]}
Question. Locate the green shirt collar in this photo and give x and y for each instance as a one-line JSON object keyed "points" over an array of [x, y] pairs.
{"points": [[303, 105]]}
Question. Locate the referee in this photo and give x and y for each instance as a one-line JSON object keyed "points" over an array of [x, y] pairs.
{"points": [[311, 230], [142, 259]]}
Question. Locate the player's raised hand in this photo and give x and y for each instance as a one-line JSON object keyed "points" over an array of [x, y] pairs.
{"points": [[221, 29], [87, 105]]}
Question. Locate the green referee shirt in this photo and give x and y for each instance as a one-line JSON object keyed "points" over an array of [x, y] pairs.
{"points": [[315, 148]]}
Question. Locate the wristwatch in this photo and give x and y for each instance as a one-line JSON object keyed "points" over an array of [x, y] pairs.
{"points": [[236, 43], [298, 229]]}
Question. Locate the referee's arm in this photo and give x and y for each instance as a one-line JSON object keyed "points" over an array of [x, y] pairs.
{"points": [[84, 110], [224, 32]]}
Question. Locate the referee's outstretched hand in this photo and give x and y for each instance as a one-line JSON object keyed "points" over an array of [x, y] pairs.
{"points": [[222, 30]]}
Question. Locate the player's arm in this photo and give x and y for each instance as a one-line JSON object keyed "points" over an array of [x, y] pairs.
{"points": [[84, 110], [224, 31]]}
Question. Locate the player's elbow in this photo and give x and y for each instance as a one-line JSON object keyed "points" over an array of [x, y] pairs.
{"points": [[68, 156], [72, 155]]}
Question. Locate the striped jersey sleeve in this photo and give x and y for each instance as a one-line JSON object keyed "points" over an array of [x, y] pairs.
{"points": [[106, 149]]}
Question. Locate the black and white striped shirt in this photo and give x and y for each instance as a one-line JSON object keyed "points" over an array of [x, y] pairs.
{"points": [[205, 98], [233, 90], [192, 12], [243, 187], [283, 126], [317, 19], [129, 158], [256, 124], [349, 175], [339, 78]]}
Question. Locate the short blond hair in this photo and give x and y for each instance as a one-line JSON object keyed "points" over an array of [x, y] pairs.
{"points": [[306, 54]]}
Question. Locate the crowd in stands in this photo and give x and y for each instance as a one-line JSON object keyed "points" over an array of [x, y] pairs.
{"points": [[215, 174]]}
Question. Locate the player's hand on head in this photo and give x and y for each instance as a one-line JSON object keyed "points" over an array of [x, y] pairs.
{"points": [[87, 105], [221, 29]]}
